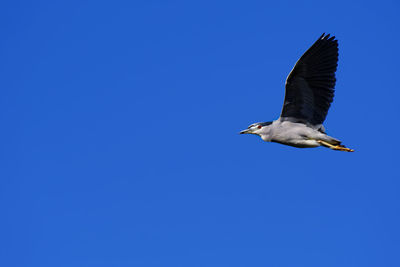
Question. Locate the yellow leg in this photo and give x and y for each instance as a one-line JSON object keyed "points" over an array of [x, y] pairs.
{"points": [[337, 147]]}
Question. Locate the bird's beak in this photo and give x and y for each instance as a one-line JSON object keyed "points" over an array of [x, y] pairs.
{"points": [[245, 131]]}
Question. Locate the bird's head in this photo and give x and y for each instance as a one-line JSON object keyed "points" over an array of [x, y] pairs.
{"points": [[260, 128]]}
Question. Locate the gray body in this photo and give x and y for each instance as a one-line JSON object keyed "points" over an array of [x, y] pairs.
{"points": [[294, 134], [310, 89]]}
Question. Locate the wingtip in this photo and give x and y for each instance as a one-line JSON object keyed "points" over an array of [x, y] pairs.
{"points": [[328, 37]]}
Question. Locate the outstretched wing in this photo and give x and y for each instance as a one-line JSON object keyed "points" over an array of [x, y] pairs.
{"points": [[310, 85]]}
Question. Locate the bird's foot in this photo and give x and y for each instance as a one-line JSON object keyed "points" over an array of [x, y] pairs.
{"points": [[335, 147], [342, 148]]}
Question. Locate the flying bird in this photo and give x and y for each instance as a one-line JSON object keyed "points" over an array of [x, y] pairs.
{"points": [[310, 88]]}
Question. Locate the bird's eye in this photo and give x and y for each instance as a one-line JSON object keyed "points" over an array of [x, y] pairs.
{"points": [[259, 126]]}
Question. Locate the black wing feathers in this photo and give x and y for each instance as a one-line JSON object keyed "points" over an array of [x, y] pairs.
{"points": [[310, 85]]}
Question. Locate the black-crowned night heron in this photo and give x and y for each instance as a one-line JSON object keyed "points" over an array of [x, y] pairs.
{"points": [[309, 94]]}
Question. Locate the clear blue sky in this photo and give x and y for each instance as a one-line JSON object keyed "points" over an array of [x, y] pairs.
{"points": [[120, 142]]}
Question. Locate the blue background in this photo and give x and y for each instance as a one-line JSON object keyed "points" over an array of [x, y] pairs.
{"points": [[120, 144]]}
